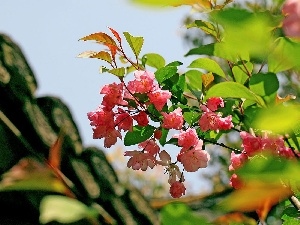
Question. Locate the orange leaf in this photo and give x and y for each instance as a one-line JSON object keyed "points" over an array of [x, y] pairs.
{"points": [[100, 37], [280, 100], [207, 79], [116, 34], [55, 152], [256, 196]]}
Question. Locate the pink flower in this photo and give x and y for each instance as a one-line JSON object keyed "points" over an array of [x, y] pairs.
{"points": [[111, 138], [124, 120], [237, 160], [177, 189], [140, 160], [235, 181], [291, 22], [173, 120], [157, 134], [141, 118], [209, 121], [143, 83], [187, 139], [113, 95], [149, 146], [194, 158], [251, 144], [159, 98], [213, 103]]}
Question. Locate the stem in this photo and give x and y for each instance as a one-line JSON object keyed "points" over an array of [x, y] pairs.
{"points": [[295, 202], [222, 145]]}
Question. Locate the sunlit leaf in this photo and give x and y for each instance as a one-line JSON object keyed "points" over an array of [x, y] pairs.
{"points": [[233, 90], [165, 73], [284, 56], [209, 65], [154, 60], [193, 79], [241, 71], [119, 72], [279, 118], [64, 210], [135, 43]]}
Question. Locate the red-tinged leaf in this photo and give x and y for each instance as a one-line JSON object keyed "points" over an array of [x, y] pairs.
{"points": [[116, 34], [100, 37], [113, 50], [54, 158]]}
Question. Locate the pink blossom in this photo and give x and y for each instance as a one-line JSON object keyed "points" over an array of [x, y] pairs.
{"points": [[291, 22], [113, 95], [187, 139], [124, 120], [209, 121], [143, 83], [150, 147], [140, 160], [141, 118], [173, 120], [235, 181], [237, 160], [177, 189], [214, 102], [225, 123], [159, 98], [251, 143], [111, 138], [194, 158]]}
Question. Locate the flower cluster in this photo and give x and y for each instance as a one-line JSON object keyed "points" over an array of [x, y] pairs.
{"points": [[253, 145], [291, 22], [210, 120], [126, 105]]}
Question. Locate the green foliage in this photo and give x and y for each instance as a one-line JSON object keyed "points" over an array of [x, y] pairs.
{"points": [[138, 135], [209, 65], [154, 60], [62, 209], [179, 214]]}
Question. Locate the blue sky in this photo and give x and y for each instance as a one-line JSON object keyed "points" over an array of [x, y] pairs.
{"points": [[48, 33]]}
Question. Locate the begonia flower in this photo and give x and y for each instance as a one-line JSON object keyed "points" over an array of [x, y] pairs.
{"points": [[177, 189], [159, 98], [140, 160], [173, 120]]}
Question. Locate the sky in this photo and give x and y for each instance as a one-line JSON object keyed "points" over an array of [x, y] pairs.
{"points": [[48, 33]]}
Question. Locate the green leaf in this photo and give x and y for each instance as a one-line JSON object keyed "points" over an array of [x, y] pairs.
{"points": [[246, 32], [64, 210], [278, 119], [290, 220], [206, 26], [240, 73], [202, 50], [165, 73], [233, 90], [154, 60], [135, 43], [119, 72], [265, 85], [138, 135], [179, 214], [193, 79], [175, 63], [191, 117], [284, 56], [209, 65], [164, 136]]}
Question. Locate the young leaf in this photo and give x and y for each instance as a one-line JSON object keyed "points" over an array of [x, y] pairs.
{"points": [[98, 55], [209, 65], [138, 135], [116, 34], [99, 37], [233, 90], [240, 73], [193, 79], [154, 60], [135, 43], [119, 72]]}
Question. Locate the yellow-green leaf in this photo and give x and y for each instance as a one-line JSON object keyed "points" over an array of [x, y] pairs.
{"points": [[209, 65], [136, 43], [119, 72]]}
